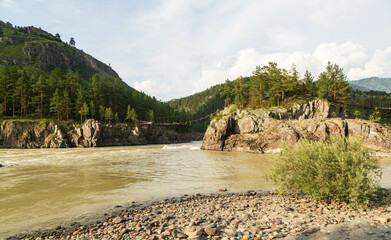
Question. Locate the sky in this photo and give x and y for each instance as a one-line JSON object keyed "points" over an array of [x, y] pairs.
{"points": [[173, 48]]}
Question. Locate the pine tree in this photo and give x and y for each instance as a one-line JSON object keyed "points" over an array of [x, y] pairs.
{"points": [[84, 111], [92, 109], [332, 84], [109, 115], [116, 117], [4, 75], [40, 90], [102, 113], [67, 104], [79, 101], [150, 115], [131, 115], [240, 91], [72, 42], [56, 104], [309, 85], [258, 84], [227, 92]]}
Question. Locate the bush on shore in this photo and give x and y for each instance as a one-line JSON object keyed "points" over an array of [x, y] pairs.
{"points": [[337, 170]]}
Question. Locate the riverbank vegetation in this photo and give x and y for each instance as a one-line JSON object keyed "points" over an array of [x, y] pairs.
{"points": [[340, 170]]}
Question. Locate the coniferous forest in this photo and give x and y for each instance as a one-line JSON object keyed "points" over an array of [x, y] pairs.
{"points": [[65, 95], [33, 87]]}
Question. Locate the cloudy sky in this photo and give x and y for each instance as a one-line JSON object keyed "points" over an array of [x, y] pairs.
{"points": [[172, 48]]}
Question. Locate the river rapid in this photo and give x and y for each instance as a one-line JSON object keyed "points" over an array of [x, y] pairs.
{"points": [[41, 188]]}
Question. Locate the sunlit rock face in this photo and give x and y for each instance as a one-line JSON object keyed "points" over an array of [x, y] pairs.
{"points": [[261, 131], [90, 134]]}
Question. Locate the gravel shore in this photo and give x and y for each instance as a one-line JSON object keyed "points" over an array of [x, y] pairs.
{"points": [[250, 215]]}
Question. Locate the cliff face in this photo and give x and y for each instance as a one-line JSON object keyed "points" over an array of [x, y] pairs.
{"points": [[90, 134], [261, 131], [54, 54]]}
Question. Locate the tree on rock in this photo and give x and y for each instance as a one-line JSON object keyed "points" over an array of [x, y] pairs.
{"points": [[131, 115], [58, 37], [72, 42], [228, 92], [332, 84], [109, 115]]}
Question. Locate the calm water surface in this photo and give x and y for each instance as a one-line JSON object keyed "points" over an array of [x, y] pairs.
{"points": [[41, 188]]}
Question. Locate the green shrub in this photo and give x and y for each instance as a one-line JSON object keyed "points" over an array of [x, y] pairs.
{"points": [[338, 170]]}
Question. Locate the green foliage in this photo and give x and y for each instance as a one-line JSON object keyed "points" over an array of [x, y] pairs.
{"points": [[108, 115], [52, 136], [150, 115], [116, 117], [338, 170], [84, 110], [56, 104], [357, 114], [131, 115], [27, 89], [375, 116], [228, 92], [332, 84]]}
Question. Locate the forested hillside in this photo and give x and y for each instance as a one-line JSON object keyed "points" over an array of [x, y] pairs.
{"points": [[374, 83], [268, 86], [43, 77]]}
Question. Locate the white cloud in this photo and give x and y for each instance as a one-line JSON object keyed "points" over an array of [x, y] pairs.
{"points": [[8, 3], [379, 65], [152, 87], [287, 39], [169, 48], [348, 55]]}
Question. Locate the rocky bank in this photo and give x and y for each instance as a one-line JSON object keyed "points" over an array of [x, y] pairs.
{"points": [[262, 131], [16, 134], [251, 215]]}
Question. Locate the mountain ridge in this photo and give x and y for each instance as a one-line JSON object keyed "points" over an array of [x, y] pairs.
{"points": [[373, 83]]}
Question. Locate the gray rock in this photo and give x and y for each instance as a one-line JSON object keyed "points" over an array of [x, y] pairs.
{"points": [[117, 220], [261, 131]]}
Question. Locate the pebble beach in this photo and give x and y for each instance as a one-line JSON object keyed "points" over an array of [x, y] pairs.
{"points": [[226, 216]]}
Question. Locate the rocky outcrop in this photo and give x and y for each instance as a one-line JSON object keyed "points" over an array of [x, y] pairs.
{"points": [[261, 131], [90, 134], [49, 54]]}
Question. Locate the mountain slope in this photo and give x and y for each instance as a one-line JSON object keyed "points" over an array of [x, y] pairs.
{"points": [[374, 83], [34, 46], [43, 77]]}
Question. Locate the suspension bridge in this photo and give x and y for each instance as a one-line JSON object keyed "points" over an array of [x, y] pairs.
{"points": [[164, 121], [373, 102]]}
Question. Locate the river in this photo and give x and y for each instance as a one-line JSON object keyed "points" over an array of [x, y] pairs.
{"points": [[41, 188]]}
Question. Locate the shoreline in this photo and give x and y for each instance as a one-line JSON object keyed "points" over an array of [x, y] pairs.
{"points": [[243, 215]]}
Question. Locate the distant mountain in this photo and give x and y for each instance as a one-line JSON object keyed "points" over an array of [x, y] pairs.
{"points": [[373, 83], [356, 87]]}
